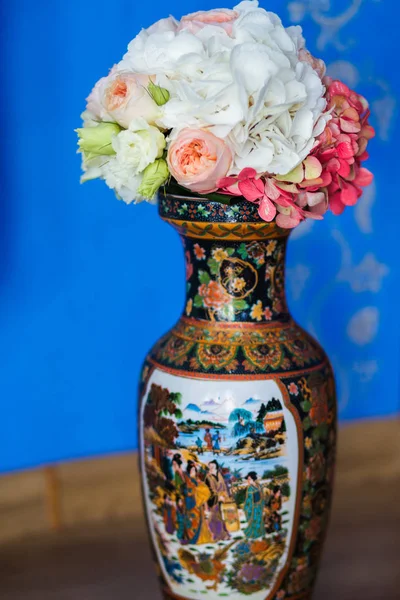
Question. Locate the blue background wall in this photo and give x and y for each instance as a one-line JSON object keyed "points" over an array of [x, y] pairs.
{"points": [[85, 288]]}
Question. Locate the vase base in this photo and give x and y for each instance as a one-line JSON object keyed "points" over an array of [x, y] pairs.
{"points": [[302, 596]]}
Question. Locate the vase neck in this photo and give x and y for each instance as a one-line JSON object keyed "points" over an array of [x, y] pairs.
{"points": [[239, 281]]}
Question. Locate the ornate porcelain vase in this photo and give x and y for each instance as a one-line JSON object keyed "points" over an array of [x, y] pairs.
{"points": [[238, 420]]}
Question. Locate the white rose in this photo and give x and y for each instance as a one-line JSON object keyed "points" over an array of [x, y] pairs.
{"points": [[135, 149], [138, 146], [120, 178]]}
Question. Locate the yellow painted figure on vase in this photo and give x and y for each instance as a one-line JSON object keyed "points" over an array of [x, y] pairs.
{"points": [[196, 494]]}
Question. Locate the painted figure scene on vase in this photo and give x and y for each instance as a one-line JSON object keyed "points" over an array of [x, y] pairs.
{"points": [[221, 473]]}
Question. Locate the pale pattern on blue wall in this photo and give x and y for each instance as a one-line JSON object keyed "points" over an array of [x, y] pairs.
{"points": [[350, 293], [79, 299]]}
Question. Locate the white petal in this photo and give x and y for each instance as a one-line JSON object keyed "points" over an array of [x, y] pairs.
{"points": [[251, 66]]}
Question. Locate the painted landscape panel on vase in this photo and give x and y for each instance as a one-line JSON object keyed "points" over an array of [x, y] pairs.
{"points": [[221, 464]]}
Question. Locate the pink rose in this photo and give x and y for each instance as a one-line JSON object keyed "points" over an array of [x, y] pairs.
{"points": [[198, 159], [94, 100], [126, 98], [222, 17]]}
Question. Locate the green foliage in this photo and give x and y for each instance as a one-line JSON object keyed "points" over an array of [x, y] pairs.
{"points": [[230, 251], [198, 301], [278, 471], [213, 265], [242, 251], [172, 187], [240, 304], [176, 397], [204, 277], [306, 405], [285, 489], [274, 405], [262, 413], [240, 413], [205, 422], [237, 473], [320, 432]]}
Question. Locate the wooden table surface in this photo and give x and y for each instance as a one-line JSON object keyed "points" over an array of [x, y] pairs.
{"points": [[111, 560]]}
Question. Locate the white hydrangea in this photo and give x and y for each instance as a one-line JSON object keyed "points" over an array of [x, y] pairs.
{"points": [[248, 86]]}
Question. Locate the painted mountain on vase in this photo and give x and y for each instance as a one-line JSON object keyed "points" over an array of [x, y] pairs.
{"points": [[218, 411]]}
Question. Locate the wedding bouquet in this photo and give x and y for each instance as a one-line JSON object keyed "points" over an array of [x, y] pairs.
{"points": [[228, 105]]}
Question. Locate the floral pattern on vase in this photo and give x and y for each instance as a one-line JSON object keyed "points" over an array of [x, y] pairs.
{"points": [[236, 282], [238, 417]]}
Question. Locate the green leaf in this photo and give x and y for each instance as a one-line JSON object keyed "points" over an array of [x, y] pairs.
{"points": [[240, 304], [306, 423], [174, 188], [320, 432], [242, 251], [306, 405], [178, 414], [198, 301], [230, 251], [213, 265], [204, 277]]}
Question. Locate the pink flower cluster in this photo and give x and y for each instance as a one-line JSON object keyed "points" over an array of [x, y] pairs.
{"points": [[330, 177], [342, 146]]}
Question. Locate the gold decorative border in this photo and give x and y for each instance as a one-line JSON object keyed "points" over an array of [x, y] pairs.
{"points": [[236, 376], [236, 325], [235, 334], [227, 231]]}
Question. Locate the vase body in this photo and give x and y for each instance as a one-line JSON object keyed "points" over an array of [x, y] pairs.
{"points": [[237, 420]]}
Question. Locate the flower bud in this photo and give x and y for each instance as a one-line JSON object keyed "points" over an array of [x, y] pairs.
{"points": [[153, 177], [160, 95], [96, 141]]}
